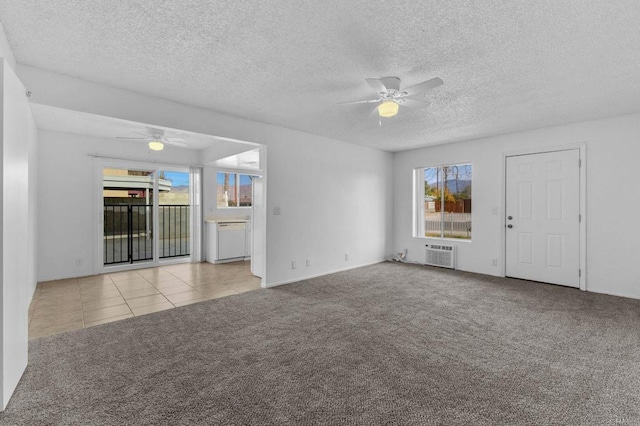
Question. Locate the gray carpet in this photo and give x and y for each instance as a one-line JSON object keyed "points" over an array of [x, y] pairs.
{"points": [[385, 344]]}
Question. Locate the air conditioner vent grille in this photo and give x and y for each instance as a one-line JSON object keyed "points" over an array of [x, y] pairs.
{"points": [[440, 255], [439, 247]]}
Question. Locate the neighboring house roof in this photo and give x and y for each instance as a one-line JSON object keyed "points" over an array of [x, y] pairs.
{"points": [[134, 182]]}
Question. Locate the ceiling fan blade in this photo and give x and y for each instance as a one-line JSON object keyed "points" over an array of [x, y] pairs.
{"points": [[391, 83], [132, 139], [374, 112], [413, 103], [156, 133], [423, 87], [175, 141], [176, 135], [377, 85], [367, 101]]}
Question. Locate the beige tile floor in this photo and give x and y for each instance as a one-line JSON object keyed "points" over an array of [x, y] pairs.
{"points": [[70, 304]]}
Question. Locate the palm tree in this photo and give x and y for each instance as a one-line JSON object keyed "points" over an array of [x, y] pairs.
{"points": [[225, 188]]}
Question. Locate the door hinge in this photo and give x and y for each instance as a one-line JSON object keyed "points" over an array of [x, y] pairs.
{"points": [[579, 163], [579, 272], [579, 218]]}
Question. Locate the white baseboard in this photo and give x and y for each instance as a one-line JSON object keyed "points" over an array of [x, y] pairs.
{"points": [[308, 277], [614, 293]]}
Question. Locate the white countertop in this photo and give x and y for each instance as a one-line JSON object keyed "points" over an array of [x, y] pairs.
{"points": [[227, 220]]}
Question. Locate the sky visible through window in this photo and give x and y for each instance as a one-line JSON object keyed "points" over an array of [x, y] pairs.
{"points": [[177, 178]]}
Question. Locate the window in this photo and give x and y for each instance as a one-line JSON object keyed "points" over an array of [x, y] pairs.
{"points": [[234, 190], [443, 201]]}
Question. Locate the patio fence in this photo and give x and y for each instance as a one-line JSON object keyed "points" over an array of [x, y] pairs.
{"points": [[457, 225], [128, 232]]}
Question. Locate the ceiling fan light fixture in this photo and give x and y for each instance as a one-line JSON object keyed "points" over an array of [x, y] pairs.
{"points": [[156, 145], [388, 109]]}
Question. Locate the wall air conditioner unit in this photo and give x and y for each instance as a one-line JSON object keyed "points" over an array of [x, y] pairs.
{"points": [[441, 255]]}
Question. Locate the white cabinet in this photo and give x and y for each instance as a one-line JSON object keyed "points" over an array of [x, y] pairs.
{"points": [[226, 241]]}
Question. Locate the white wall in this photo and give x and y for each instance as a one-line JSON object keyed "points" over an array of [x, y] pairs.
{"points": [[16, 257], [335, 199], [66, 192], [612, 152]]}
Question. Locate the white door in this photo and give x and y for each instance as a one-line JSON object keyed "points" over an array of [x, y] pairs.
{"points": [[542, 217]]}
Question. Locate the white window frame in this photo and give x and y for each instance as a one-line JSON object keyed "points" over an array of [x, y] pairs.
{"points": [[237, 188]]}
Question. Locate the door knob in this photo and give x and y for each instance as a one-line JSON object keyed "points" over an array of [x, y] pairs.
{"points": [[509, 226], [509, 217]]}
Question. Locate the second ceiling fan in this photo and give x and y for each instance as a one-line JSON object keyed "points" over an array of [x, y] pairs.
{"points": [[156, 139], [391, 98]]}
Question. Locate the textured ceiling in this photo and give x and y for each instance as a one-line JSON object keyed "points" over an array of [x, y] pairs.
{"points": [[506, 66]]}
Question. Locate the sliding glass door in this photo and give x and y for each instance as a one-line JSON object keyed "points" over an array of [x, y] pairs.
{"points": [[174, 213], [128, 215], [146, 215]]}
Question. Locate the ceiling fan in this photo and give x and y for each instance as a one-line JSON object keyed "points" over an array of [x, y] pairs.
{"points": [[156, 139], [390, 97]]}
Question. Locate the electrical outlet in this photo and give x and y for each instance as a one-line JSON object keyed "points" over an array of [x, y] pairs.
{"points": [[294, 265], [494, 262], [308, 262], [346, 256], [78, 262], [277, 211]]}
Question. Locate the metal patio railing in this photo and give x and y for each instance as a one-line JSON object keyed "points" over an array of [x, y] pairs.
{"points": [[128, 232]]}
